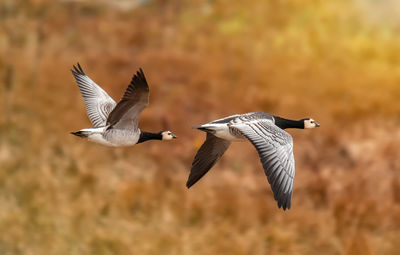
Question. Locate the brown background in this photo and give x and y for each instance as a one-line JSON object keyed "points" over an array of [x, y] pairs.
{"points": [[335, 61]]}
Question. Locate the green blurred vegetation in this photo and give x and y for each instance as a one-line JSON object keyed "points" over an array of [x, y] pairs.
{"points": [[336, 61]]}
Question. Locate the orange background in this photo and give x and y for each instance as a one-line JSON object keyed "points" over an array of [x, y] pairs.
{"points": [[335, 61]]}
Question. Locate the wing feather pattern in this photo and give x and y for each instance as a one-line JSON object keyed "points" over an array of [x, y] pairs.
{"points": [[275, 149], [136, 97], [98, 103]]}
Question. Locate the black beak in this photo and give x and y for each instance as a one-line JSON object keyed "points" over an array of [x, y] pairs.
{"points": [[174, 136], [317, 125]]}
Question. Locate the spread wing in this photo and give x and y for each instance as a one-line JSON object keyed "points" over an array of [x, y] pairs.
{"points": [[275, 149], [126, 114], [98, 103], [209, 153]]}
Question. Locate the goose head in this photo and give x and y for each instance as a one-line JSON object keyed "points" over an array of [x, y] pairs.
{"points": [[310, 123], [167, 135]]}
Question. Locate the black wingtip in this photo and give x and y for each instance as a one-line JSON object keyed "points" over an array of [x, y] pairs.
{"points": [[285, 202], [189, 184], [140, 74], [139, 77], [285, 207], [193, 179], [78, 69]]}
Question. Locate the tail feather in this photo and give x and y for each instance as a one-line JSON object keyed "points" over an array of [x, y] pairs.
{"points": [[80, 133], [201, 128]]}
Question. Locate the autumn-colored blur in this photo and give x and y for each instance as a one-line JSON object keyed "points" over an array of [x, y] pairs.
{"points": [[335, 61]]}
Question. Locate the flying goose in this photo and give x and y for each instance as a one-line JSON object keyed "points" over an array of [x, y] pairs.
{"points": [[266, 133], [115, 124]]}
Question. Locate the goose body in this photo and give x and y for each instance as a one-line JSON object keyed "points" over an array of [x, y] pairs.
{"points": [[111, 137], [266, 133], [116, 124]]}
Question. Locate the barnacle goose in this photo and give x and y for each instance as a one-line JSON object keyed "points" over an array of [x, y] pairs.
{"points": [[266, 133], [116, 124]]}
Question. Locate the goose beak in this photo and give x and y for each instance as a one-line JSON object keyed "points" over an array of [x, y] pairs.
{"points": [[174, 136], [317, 125]]}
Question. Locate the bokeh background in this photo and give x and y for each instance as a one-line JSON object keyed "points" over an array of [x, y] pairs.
{"points": [[335, 61]]}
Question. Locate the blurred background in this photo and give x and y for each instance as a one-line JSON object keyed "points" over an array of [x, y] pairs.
{"points": [[335, 61]]}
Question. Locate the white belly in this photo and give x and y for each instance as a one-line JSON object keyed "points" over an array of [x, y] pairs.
{"points": [[222, 131], [98, 138], [114, 138]]}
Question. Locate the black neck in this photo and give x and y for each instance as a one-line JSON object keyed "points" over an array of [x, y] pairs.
{"points": [[145, 136], [285, 123]]}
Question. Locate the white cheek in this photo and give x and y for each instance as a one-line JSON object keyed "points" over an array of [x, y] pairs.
{"points": [[308, 124], [167, 137]]}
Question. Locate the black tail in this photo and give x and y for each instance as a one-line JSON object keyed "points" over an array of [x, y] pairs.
{"points": [[204, 129], [80, 134], [200, 128]]}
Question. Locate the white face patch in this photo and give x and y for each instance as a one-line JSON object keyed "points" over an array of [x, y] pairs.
{"points": [[167, 135], [310, 123]]}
